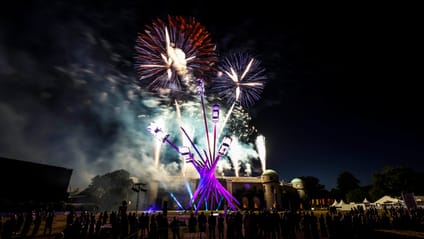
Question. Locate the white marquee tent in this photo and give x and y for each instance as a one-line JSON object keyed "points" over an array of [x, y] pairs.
{"points": [[335, 203], [341, 203], [387, 200]]}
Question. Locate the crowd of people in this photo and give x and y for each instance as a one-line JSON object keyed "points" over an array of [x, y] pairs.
{"points": [[356, 223], [26, 224]]}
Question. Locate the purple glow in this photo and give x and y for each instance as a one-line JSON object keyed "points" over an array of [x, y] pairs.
{"points": [[209, 188]]}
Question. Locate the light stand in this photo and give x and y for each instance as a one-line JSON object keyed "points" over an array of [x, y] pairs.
{"points": [[137, 187]]}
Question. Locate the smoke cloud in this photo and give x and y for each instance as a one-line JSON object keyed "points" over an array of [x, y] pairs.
{"points": [[68, 98]]}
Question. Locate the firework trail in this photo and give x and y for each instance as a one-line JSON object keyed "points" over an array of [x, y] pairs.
{"points": [[157, 148], [227, 116], [260, 145], [169, 53], [177, 107]]}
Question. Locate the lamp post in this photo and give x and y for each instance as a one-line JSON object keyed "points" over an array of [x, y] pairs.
{"points": [[137, 187]]}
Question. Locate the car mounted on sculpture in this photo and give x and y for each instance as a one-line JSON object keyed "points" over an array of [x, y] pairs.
{"points": [[185, 153], [215, 114], [154, 129], [200, 87], [225, 145]]}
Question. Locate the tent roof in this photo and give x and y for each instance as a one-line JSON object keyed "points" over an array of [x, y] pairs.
{"points": [[341, 203], [335, 203], [387, 200]]}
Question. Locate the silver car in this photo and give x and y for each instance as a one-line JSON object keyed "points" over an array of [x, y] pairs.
{"points": [[215, 114], [186, 154], [225, 145], [154, 129]]}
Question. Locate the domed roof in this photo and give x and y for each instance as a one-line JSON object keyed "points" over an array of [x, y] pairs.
{"points": [[269, 172], [296, 180]]}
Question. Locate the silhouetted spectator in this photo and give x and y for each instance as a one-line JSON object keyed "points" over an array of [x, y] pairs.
{"points": [[211, 225], [49, 222], [175, 228], [144, 221], [19, 221], [201, 220], [192, 223], [7, 231], [27, 224], [105, 216], [98, 225], [238, 225], [322, 226], [133, 223], [37, 223], [314, 225], [123, 219], [162, 222], [153, 231], [70, 217], [59, 235], [221, 226]]}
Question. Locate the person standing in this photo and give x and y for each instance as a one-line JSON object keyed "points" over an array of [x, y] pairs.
{"points": [[201, 219], [37, 223], [123, 219], [211, 225], [192, 223], [27, 224], [221, 226], [49, 222], [175, 228]]}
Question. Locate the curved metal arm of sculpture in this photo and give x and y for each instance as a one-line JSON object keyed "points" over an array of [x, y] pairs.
{"points": [[192, 144], [201, 91]]}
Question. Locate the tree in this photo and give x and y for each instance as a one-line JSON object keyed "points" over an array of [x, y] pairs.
{"points": [[109, 190], [291, 199], [346, 182], [357, 195], [395, 180], [313, 189]]}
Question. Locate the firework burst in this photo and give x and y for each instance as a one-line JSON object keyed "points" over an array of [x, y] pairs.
{"points": [[240, 124], [176, 57], [169, 54], [241, 79]]}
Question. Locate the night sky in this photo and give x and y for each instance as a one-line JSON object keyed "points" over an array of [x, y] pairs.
{"points": [[343, 90]]}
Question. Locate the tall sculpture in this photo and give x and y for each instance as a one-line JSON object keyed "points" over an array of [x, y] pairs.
{"points": [[175, 59]]}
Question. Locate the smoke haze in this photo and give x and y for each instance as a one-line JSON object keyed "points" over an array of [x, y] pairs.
{"points": [[68, 97]]}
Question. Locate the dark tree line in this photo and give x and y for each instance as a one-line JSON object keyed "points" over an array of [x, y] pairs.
{"points": [[391, 181]]}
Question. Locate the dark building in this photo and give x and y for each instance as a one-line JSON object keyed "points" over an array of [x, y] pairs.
{"points": [[23, 183]]}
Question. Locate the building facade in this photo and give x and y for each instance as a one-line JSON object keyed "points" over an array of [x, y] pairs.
{"points": [[265, 192]]}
